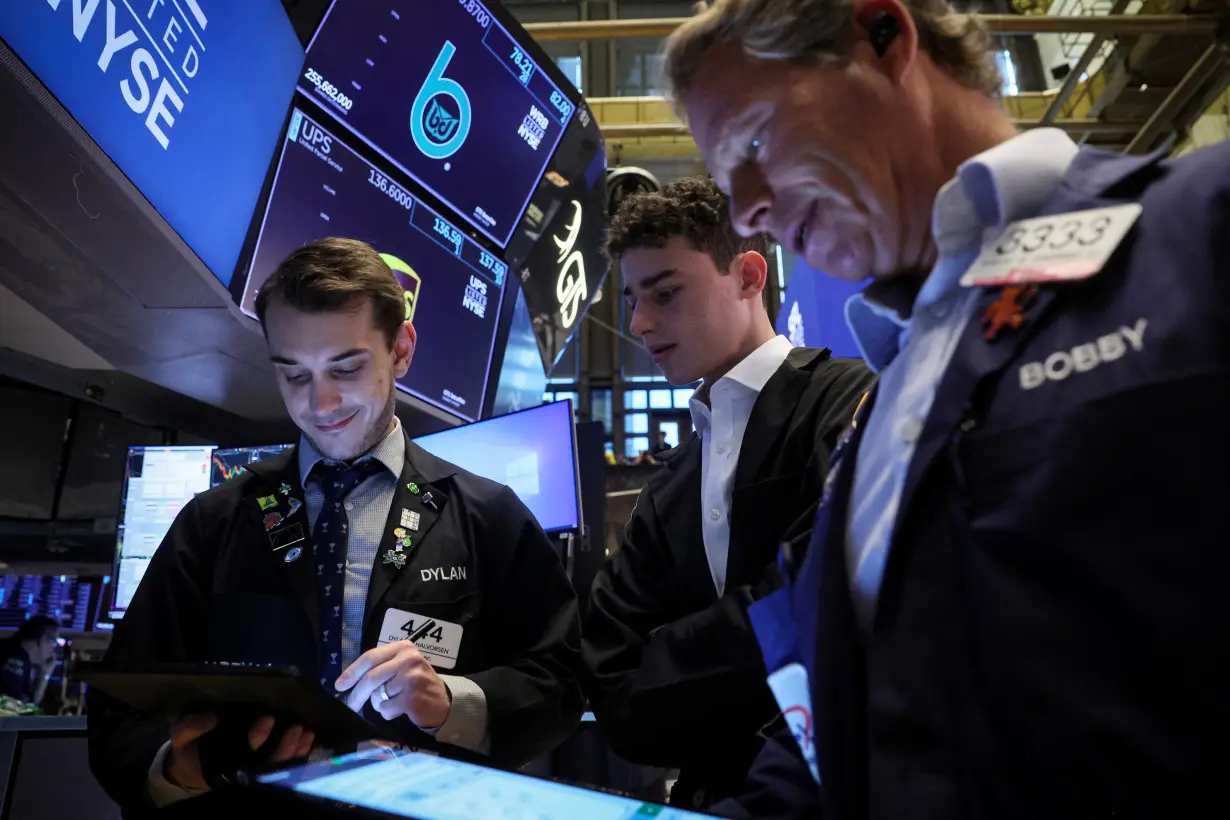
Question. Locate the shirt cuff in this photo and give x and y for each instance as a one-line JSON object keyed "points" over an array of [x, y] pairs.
{"points": [[162, 791], [466, 726]]}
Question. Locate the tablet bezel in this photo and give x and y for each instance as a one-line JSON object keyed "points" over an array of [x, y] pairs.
{"points": [[291, 794], [172, 689]]}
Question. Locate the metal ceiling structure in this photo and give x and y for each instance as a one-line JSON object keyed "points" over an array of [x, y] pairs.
{"points": [[1160, 69]]}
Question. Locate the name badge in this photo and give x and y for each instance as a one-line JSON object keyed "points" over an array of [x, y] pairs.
{"points": [[790, 688], [439, 641], [1059, 248]]}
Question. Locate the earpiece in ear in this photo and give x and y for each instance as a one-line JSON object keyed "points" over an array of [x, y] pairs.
{"points": [[884, 29]]}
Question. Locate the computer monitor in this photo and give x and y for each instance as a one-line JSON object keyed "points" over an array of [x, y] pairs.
{"points": [[158, 482], [226, 464], [455, 97], [76, 602], [452, 286], [533, 452]]}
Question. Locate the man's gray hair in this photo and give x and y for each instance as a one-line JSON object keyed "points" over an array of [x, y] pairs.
{"points": [[819, 32]]}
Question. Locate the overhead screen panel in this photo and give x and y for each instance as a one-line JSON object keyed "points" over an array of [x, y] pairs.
{"points": [[446, 94], [453, 286], [187, 98], [562, 274]]}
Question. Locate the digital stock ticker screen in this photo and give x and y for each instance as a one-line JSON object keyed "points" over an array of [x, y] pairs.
{"points": [[453, 286], [448, 96]]}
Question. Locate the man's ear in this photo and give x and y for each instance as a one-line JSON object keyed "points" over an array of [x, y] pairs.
{"points": [[887, 33], [753, 272], [403, 348]]}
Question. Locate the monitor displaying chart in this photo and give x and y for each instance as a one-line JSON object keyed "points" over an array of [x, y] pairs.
{"points": [[448, 94], [453, 287], [158, 483]]}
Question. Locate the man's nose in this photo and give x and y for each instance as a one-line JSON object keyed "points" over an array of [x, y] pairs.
{"points": [[642, 320], [325, 395], [751, 199]]}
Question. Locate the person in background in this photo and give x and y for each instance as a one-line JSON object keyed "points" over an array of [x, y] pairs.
{"points": [[1007, 607], [426, 596], [28, 658], [675, 676], [659, 444]]}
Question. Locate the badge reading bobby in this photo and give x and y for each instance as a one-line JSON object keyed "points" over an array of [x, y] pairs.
{"points": [[439, 641]]}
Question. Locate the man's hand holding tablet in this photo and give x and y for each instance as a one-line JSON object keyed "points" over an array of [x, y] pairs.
{"points": [[183, 762]]}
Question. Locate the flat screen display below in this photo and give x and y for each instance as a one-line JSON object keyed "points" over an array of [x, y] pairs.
{"points": [[423, 787], [443, 91], [532, 452], [453, 287], [158, 482]]}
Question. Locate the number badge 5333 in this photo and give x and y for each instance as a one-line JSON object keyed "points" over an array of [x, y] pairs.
{"points": [[1057, 248]]}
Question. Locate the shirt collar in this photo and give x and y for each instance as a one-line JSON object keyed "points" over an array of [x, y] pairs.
{"points": [[1008, 182], [391, 452], [752, 373]]}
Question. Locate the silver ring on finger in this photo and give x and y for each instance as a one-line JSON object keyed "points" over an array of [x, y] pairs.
{"points": [[384, 693]]}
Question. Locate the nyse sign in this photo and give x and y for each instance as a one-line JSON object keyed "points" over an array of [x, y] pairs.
{"points": [[570, 283], [186, 97], [154, 87]]}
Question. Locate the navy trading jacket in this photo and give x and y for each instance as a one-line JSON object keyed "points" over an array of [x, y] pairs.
{"points": [[220, 588], [1052, 637]]}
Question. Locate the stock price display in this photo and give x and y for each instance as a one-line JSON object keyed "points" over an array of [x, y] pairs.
{"points": [[447, 95], [452, 285]]}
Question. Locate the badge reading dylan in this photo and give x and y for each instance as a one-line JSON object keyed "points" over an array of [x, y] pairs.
{"points": [[439, 641]]}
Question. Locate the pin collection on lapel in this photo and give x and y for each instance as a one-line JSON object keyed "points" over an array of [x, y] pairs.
{"points": [[282, 535], [283, 531], [408, 523]]}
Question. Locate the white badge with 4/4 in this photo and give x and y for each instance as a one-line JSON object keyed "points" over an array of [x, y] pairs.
{"points": [[793, 695], [1058, 248], [439, 641]]}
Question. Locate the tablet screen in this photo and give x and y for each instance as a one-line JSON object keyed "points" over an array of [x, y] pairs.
{"points": [[424, 787]]}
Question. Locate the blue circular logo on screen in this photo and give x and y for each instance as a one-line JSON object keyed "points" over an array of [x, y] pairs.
{"points": [[441, 119], [440, 116]]}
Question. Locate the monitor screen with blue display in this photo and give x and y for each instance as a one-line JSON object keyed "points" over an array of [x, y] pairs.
{"points": [[452, 286], [186, 98], [533, 452], [445, 92]]}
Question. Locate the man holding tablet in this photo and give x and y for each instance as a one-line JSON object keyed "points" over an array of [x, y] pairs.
{"points": [[427, 597]]}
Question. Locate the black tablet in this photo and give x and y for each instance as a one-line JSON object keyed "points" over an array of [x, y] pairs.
{"points": [[392, 783], [173, 690]]}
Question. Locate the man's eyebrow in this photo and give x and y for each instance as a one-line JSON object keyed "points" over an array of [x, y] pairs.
{"points": [[648, 283], [347, 354]]}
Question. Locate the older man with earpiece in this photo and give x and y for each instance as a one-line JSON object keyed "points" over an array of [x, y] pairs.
{"points": [[1012, 603]]}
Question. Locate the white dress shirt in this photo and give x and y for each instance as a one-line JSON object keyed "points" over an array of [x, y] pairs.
{"points": [[721, 430], [1009, 182]]}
